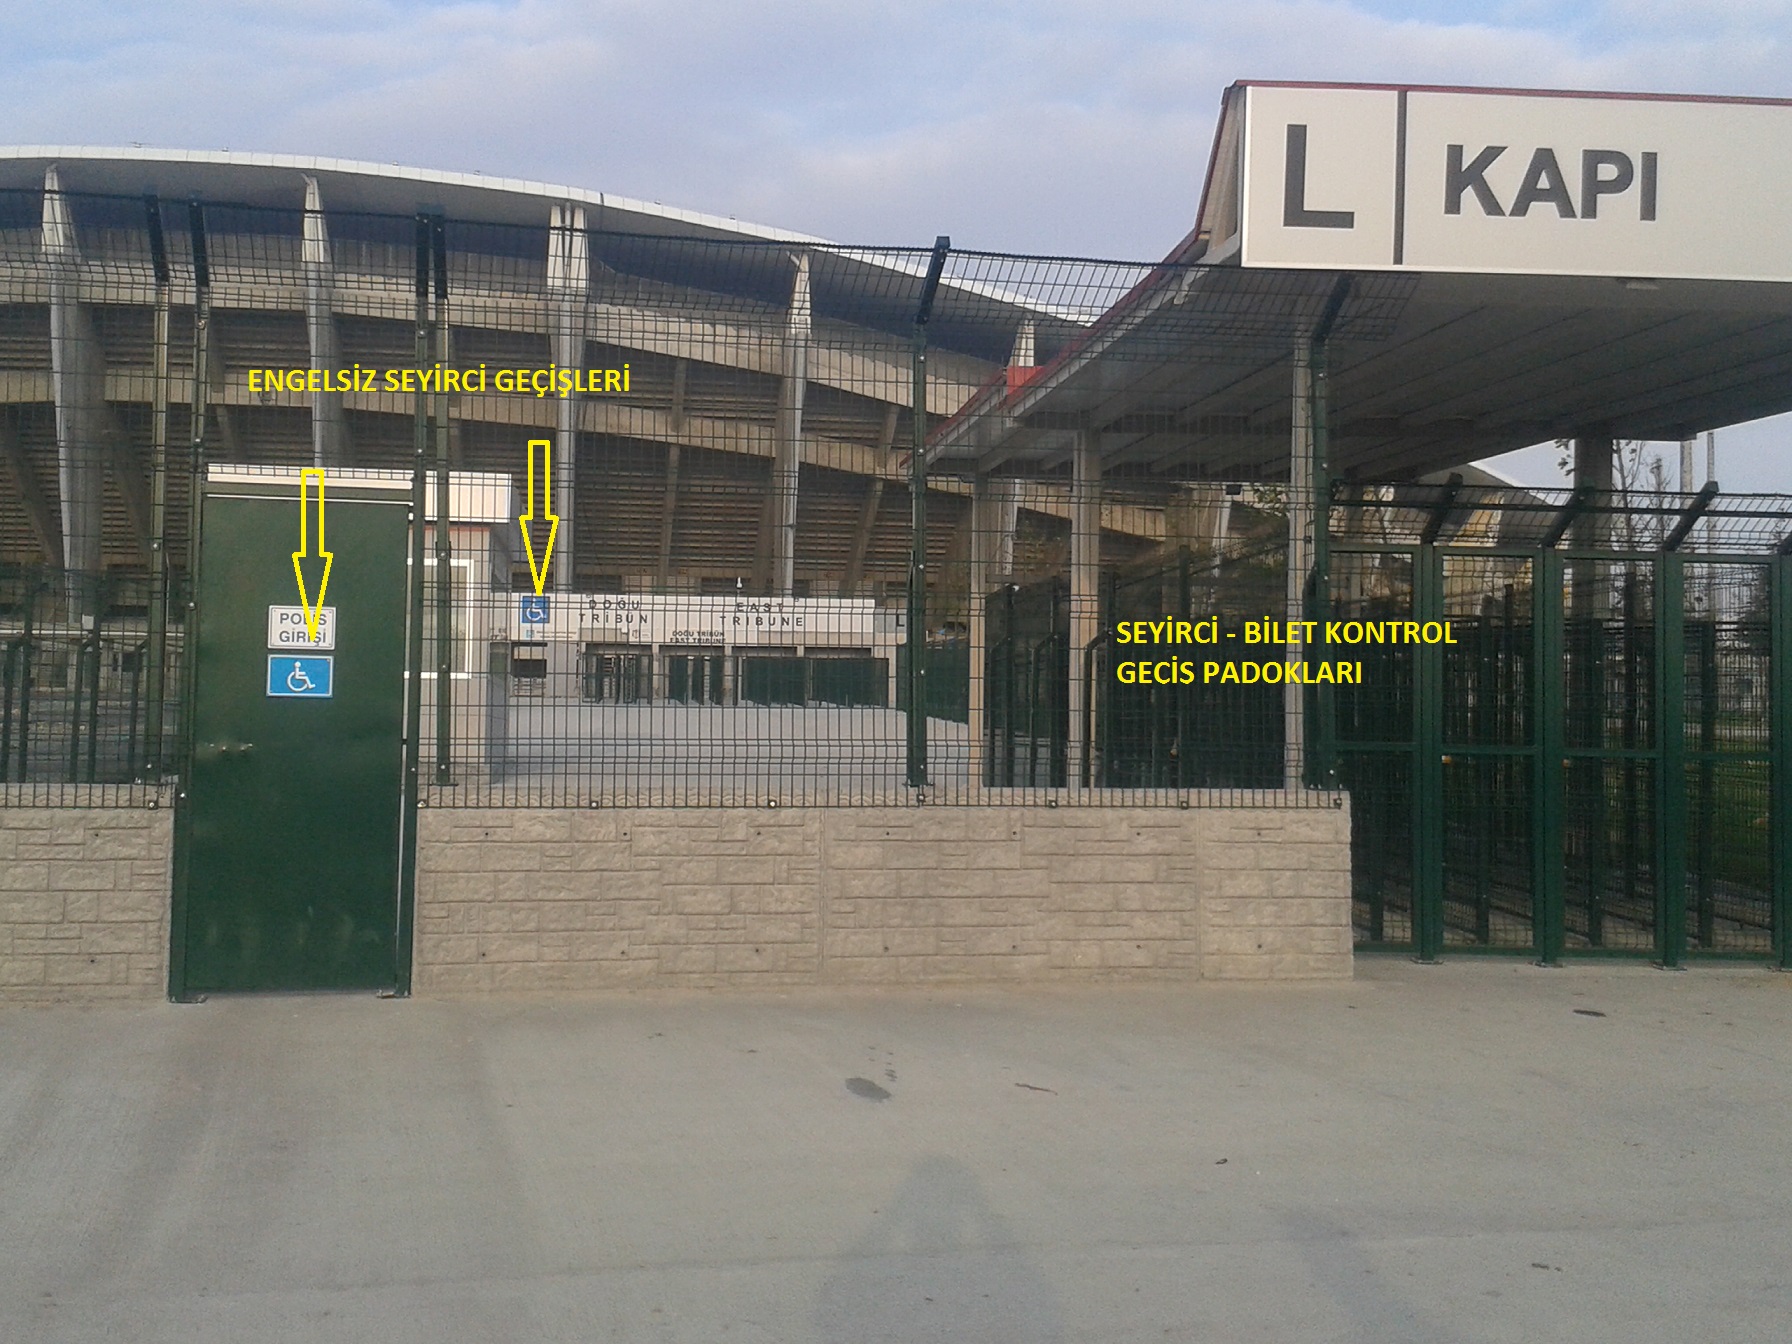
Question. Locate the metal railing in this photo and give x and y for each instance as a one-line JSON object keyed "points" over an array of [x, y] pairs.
{"points": [[75, 686]]}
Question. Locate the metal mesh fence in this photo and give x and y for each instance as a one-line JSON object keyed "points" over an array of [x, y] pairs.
{"points": [[1607, 787], [759, 476], [1726, 797], [1489, 704], [1375, 744], [1610, 736], [726, 436], [75, 694]]}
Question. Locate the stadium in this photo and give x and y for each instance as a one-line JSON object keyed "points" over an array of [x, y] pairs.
{"points": [[845, 532]]}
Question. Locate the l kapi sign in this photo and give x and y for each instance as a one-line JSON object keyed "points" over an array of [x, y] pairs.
{"points": [[1355, 178]]}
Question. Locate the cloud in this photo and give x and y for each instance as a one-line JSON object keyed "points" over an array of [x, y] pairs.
{"points": [[1052, 126]]}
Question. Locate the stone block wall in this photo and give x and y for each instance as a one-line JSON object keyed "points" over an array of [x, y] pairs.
{"points": [[84, 896], [1277, 893], [542, 899]]}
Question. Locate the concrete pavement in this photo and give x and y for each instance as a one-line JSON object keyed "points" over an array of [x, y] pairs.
{"points": [[1465, 1152]]}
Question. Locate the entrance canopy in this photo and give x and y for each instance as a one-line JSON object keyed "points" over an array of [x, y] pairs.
{"points": [[1486, 269]]}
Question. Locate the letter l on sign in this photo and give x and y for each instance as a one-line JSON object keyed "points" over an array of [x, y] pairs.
{"points": [[1295, 214]]}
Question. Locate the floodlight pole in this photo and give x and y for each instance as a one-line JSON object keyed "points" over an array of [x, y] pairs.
{"points": [[917, 490]]}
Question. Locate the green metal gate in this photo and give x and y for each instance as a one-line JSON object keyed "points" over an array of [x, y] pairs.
{"points": [[288, 840], [1595, 761], [1589, 769]]}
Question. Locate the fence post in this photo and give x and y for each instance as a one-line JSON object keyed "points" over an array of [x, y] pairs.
{"points": [[917, 570], [438, 236], [96, 660], [1780, 784], [1322, 770], [917, 489], [413, 657], [8, 656], [80, 690], [1670, 760], [139, 655], [27, 650], [1704, 852], [158, 504], [1428, 771], [196, 467], [1548, 909]]}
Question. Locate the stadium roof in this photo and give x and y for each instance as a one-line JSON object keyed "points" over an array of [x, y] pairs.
{"points": [[872, 286], [349, 184]]}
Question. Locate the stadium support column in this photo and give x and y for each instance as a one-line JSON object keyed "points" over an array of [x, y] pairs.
{"points": [[569, 283], [78, 381], [1022, 360], [1007, 522], [1300, 555], [669, 505], [788, 455], [854, 572], [1593, 463], [1196, 520], [1005, 514], [1594, 456], [1085, 598], [329, 426], [994, 506], [1584, 640], [1307, 746], [1710, 476], [30, 494], [985, 538]]}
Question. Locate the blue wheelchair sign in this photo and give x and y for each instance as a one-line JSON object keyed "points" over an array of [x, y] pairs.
{"points": [[301, 677], [535, 610]]}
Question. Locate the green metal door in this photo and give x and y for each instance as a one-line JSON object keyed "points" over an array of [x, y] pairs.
{"points": [[288, 851]]}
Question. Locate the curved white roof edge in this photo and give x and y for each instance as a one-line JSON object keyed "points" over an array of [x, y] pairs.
{"points": [[549, 193]]}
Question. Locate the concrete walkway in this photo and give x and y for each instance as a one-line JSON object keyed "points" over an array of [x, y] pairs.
{"points": [[1465, 1152]]}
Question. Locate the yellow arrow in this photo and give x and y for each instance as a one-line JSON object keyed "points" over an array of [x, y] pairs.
{"points": [[540, 573], [312, 613]]}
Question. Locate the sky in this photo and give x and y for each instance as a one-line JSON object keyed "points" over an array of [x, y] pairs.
{"points": [[1051, 126]]}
